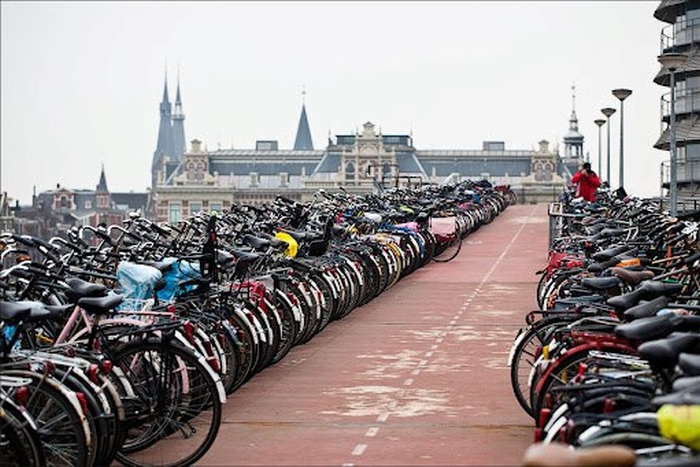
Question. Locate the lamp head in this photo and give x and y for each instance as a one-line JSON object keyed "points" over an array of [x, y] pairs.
{"points": [[599, 121], [622, 94], [608, 111]]}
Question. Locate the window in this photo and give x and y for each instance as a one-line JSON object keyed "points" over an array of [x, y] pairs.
{"points": [[195, 207], [175, 212], [350, 171], [88, 204], [266, 145], [215, 206], [64, 201]]}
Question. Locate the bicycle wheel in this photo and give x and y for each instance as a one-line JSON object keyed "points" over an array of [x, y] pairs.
{"points": [[447, 248], [101, 424], [60, 421], [284, 312], [179, 407], [561, 373], [523, 355], [19, 440]]}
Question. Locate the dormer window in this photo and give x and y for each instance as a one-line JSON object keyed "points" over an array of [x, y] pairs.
{"points": [[195, 169]]}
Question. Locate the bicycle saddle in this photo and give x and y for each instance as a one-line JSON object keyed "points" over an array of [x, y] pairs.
{"points": [[645, 309], [664, 352], [561, 455]]}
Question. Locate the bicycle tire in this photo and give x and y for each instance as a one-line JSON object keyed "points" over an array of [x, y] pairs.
{"points": [[448, 250], [61, 425], [194, 411], [561, 372], [19, 438], [520, 354], [101, 424]]}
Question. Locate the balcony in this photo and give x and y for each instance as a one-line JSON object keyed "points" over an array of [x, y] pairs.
{"points": [[687, 132], [687, 102], [675, 37], [687, 175]]}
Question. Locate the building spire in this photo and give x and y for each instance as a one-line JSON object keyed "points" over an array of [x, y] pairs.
{"points": [[166, 98], [164, 146], [178, 101], [178, 125], [573, 121], [573, 140], [102, 184], [303, 140], [102, 196]]}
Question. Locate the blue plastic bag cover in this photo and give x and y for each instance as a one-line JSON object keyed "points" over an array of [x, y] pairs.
{"points": [[137, 280], [8, 333], [179, 272]]}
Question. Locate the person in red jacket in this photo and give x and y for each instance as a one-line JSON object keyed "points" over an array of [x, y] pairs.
{"points": [[587, 182]]}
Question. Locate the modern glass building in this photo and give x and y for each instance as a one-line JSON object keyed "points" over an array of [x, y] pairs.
{"points": [[681, 34]]}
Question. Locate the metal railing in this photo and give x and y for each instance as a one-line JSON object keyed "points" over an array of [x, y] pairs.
{"points": [[685, 203], [560, 222], [688, 172], [679, 34], [687, 101]]}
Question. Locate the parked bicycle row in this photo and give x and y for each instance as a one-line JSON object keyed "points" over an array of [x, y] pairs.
{"points": [[612, 357], [121, 343]]}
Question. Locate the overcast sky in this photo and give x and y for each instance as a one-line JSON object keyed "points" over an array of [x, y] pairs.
{"points": [[82, 81]]}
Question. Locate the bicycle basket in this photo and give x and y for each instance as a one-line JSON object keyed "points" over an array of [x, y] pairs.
{"points": [[443, 226], [136, 304]]}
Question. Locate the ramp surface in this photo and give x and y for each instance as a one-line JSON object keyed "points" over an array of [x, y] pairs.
{"points": [[416, 377]]}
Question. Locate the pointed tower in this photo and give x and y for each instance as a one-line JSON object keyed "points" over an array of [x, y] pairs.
{"points": [[178, 127], [573, 140], [303, 140], [102, 197], [164, 146]]}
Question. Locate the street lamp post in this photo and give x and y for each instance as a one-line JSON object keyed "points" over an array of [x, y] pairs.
{"points": [[608, 111], [672, 62], [600, 122], [622, 94]]}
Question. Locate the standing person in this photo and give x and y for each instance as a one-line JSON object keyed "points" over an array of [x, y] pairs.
{"points": [[587, 182]]}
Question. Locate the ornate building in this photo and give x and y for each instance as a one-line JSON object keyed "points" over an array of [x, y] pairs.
{"points": [[55, 211], [187, 181], [360, 162]]}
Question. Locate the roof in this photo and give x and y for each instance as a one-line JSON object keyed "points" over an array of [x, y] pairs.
{"points": [[303, 140], [329, 163], [102, 184], [131, 200], [476, 153], [668, 9], [280, 153], [409, 163], [686, 130], [573, 134], [224, 167], [476, 167]]}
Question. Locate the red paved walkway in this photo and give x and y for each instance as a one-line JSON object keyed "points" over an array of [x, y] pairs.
{"points": [[416, 377]]}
